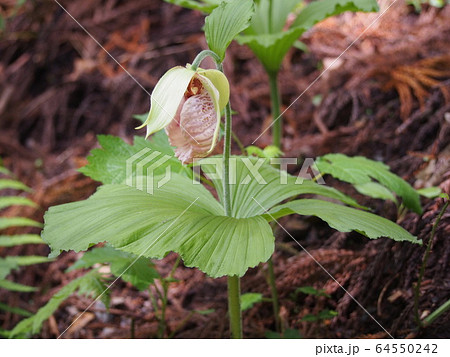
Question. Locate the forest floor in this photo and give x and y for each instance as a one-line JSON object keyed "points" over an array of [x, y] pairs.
{"points": [[386, 98]]}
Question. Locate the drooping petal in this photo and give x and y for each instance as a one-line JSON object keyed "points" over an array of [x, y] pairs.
{"points": [[166, 98]]}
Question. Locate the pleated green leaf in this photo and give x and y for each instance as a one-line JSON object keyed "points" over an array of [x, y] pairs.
{"points": [[359, 170], [344, 219], [270, 43], [180, 216], [225, 23], [257, 186], [270, 48]]}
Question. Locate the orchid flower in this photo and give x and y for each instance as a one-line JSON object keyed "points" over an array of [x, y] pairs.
{"points": [[188, 104]]}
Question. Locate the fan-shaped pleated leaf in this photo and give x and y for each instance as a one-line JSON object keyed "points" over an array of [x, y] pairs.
{"points": [[344, 219], [255, 180], [225, 23], [180, 216]]}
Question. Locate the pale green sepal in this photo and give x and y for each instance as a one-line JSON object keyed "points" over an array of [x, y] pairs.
{"points": [[166, 98]]}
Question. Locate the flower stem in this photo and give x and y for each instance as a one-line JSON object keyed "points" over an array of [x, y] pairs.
{"points": [[234, 306], [274, 294], [275, 104], [234, 285], [202, 55], [276, 141], [226, 161]]}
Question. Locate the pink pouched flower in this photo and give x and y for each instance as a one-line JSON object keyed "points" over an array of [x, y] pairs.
{"points": [[188, 104]]}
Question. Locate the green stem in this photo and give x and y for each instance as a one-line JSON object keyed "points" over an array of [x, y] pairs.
{"points": [[274, 294], [202, 55], [226, 161], [275, 104], [234, 306], [276, 141], [423, 266], [436, 313], [239, 143], [234, 285]]}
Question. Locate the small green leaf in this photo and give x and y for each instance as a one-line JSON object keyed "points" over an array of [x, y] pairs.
{"points": [[270, 43], [8, 201], [109, 164], [13, 184], [430, 192], [299, 45], [287, 334], [13, 262], [327, 314], [309, 290], [225, 23], [310, 318], [317, 11], [15, 310], [4, 170], [204, 312], [12, 241], [18, 222], [250, 299], [28, 259], [136, 270], [205, 6], [90, 284], [359, 170], [12, 286], [344, 219], [375, 190], [271, 15], [6, 266], [270, 48]]}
